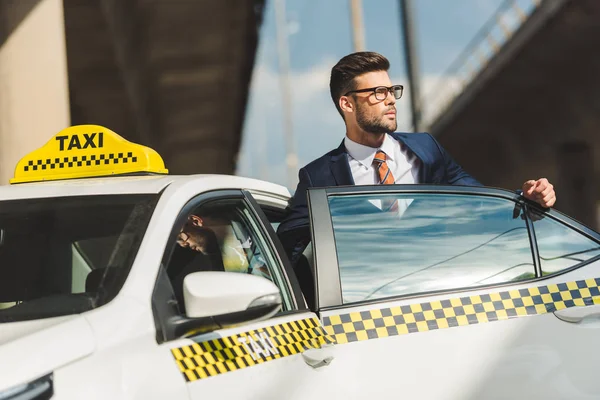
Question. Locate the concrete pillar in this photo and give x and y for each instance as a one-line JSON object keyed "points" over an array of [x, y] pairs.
{"points": [[576, 187], [34, 97]]}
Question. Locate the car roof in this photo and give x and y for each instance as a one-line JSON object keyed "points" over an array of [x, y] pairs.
{"points": [[136, 185]]}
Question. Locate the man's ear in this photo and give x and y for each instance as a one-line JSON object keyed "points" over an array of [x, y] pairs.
{"points": [[346, 104], [195, 220]]}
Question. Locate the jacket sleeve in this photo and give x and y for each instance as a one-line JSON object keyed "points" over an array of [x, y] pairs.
{"points": [[454, 174], [294, 230]]}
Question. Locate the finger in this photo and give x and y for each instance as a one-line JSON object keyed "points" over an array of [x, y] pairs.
{"points": [[549, 197], [547, 202], [528, 187], [547, 190], [540, 187], [550, 202], [528, 184]]}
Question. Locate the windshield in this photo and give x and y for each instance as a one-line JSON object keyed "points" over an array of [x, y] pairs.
{"points": [[67, 255]]}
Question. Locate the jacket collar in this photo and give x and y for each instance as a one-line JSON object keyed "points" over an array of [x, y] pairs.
{"points": [[410, 141], [364, 155], [340, 168]]}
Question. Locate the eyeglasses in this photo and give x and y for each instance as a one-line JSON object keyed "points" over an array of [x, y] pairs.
{"points": [[381, 92], [183, 238]]}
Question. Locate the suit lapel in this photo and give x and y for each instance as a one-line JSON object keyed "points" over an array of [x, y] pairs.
{"points": [[417, 149], [340, 168]]}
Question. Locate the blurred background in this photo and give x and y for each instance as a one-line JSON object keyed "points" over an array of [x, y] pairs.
{"points": [[509, 87]]}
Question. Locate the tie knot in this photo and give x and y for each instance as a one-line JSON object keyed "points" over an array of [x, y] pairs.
{"points": [[379, 157]]}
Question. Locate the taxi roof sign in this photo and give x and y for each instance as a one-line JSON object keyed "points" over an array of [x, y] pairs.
{"points": [[84, 151]]}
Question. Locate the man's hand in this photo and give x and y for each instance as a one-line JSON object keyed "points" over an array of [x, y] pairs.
{"points": [[540, 191]]}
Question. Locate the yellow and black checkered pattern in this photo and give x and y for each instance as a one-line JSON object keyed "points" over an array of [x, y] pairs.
{"points": [[461, 311], [80, 161], [218, 356]]}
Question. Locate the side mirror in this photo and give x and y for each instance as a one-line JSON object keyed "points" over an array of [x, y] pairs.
{"points": [[216, 300]]}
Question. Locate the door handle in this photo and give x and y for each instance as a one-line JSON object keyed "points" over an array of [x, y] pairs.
{"points": [[317, 358], [576, 315]]}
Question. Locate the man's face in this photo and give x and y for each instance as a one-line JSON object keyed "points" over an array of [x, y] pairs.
{"points": [[191, 236], [194, 233], [372, 115], [191, 239]]}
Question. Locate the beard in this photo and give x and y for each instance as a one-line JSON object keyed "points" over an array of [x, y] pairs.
{"points": [[374, 124]]}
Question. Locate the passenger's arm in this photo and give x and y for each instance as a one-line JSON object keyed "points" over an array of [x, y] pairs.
{"points": [[294, 230]]}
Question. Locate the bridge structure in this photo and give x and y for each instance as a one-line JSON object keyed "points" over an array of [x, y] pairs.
{"points": [[523, 102], [170, 74]]}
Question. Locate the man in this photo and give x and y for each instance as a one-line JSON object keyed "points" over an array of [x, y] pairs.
{"points": [[199, 236], [198, 250], [372, 152], [213, 236]]}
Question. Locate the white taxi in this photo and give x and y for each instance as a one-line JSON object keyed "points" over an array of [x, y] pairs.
{"points": [[121, 281]]}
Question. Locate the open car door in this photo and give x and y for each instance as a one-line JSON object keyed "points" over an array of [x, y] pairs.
{"points": [[462, 293]]}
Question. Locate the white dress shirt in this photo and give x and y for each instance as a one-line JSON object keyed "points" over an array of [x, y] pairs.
{"points": [[403, 164]]}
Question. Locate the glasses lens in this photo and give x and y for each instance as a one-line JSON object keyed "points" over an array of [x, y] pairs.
{"points": [[397, 91], [182, 238], [381, 93]]}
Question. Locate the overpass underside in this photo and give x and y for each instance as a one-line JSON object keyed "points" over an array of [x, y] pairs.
{"points": [[534, 111], [171, 74]]}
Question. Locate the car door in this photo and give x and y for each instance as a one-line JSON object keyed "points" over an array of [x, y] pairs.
{"points": [[463, 293], [269, 358]]}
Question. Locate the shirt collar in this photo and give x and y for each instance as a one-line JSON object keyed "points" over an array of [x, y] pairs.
{"points": [[388, 147], [365, 154]]}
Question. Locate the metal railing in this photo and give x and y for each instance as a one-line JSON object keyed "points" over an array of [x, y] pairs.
{"points": [[486, 43]]}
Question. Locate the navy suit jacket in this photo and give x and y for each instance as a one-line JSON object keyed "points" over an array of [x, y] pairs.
{"points": [[333, 169]]}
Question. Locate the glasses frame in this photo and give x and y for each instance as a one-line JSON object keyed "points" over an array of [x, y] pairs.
{"points": [[181, 241], [389, 89]]}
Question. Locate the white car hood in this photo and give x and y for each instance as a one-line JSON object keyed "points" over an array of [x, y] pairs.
{"points": [[31, 349]]}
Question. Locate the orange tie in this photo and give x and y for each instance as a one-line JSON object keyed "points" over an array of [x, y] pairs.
{"points": [[385, 178], [385, 175]]}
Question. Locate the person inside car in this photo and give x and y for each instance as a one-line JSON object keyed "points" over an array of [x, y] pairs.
{"points": [[214, 237]]}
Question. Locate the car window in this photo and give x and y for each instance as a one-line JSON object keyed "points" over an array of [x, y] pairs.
{"points": [[67, 255], [89, 253], [224, 235], [274, 214], [559, 246], [393, 244]]}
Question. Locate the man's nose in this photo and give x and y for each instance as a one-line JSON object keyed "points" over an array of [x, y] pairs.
{"points": [[390, 99]]}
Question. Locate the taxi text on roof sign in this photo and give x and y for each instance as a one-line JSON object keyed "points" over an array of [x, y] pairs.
{"points": [[83, 151]]}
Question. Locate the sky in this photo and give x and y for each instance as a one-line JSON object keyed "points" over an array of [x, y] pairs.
{"points": [[318, 35]]}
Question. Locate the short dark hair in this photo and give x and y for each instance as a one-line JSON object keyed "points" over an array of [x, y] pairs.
{"points": [[351, 66]]}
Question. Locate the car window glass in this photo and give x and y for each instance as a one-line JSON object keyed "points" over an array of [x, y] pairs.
{"points": [[88, 254], [227, 238], [274, 214], [559, 246], [389, 245], [67, 255]]}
